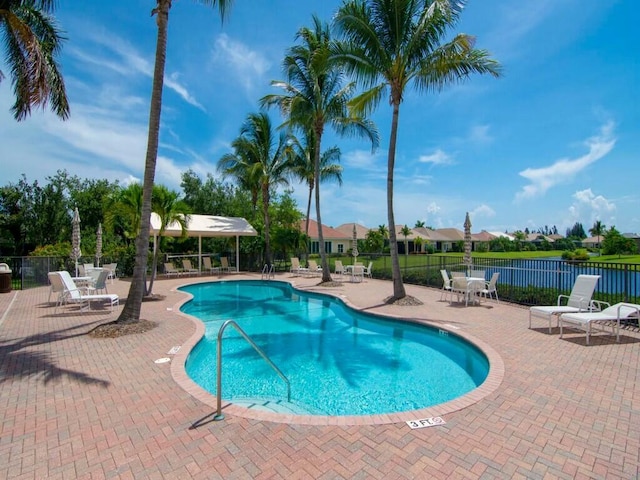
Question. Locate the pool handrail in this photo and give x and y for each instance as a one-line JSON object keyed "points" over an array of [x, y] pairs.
{"points": [[219, 415]]}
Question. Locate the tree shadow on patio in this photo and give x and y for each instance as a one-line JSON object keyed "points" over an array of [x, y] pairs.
{"points": [[17, 361]]}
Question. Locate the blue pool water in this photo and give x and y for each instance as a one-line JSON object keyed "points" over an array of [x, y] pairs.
{"points": [[339, 361]]}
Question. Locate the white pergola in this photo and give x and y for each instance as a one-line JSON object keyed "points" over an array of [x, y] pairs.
{"points": [[206, 226]]}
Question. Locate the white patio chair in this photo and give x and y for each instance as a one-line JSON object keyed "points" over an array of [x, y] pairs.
{"points": [[579, 300], [490, 287], [446, 285]]}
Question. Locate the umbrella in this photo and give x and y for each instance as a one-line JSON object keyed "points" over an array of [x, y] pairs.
{"points": [[99, 244], [354, 249], [76, 253], [467, 242]]}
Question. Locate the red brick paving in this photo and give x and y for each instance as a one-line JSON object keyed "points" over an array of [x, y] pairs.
{"points": [[72, 406]]}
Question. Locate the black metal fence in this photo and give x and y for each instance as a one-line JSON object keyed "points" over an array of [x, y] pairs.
{"points": [[525, 281]]}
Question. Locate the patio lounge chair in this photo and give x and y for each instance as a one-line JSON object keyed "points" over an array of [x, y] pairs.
{"points": [[188, 268], [579, 300], [314, 269], [73, 294], [296, 269], [339, 268], [224, 265], [169, 269], [599, 320], [206, 263]]}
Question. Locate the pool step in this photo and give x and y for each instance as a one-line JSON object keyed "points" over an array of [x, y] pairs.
{"points": [[276, 405]]}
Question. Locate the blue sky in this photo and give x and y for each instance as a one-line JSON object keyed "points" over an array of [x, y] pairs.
{"points": [[553, 142]]}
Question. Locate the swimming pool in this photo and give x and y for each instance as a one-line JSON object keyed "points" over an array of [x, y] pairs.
{"points": [[339, 361]]}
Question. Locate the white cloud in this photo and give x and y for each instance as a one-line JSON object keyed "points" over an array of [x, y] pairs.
{"points": [[248, 65], [593, 207], [483, 211], [480, 134], [128, 62], [563, 171], [438, 157]]}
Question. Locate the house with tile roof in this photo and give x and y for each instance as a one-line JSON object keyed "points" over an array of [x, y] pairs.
{"points": [[335, 241]]}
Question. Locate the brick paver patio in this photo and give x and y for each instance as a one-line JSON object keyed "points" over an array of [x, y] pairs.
{"points": [[72, 406]]}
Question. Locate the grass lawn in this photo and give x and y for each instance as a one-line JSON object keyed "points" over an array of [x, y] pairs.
{"points": [[418, 260]]}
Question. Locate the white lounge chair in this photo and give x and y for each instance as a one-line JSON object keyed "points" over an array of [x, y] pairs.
{"points": [[296, 269], [339, 268], [599, 320], [579, 300], [188, 268], [73, 294], [206, 264], [224, 265], [170, 269], [314, 269]]}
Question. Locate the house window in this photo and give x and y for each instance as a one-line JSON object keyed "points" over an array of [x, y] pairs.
{"points": [[328, 247], [340, 248], [314, 247]]}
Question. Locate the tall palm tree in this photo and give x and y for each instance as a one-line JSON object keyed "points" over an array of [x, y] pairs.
{"points": [[314, 97], [133, 305], [598, 229], [32, 42], [170, 209], [390, 44], [304, 168], [265, 160]]}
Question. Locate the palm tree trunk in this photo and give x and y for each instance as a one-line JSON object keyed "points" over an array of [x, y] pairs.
{"points": [[267, 226], [326, 273], [396, 275], [133, 305], [306, 228]]}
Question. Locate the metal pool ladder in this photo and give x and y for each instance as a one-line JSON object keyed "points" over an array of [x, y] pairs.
{"points": [[268, 271], [219, 415]]}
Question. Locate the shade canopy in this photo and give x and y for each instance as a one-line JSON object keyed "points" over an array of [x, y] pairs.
{"points": [[205, 226]]}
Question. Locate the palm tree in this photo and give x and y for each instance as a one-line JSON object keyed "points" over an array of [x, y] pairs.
{"points": [[406, 231], [133, 305], [419, 224], [170, 209], [384, 234], [390, 44], [125, 209], [32, 42], [304, 168], [315, 96], [263, 160], [598, 230]]}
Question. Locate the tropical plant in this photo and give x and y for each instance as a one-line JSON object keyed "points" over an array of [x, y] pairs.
{"points": [[314, 97], [390, 44], [133, 305], [419, 224], [124, 210], [263, 158], [32, 41], [170, 209], [598, 229]]}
